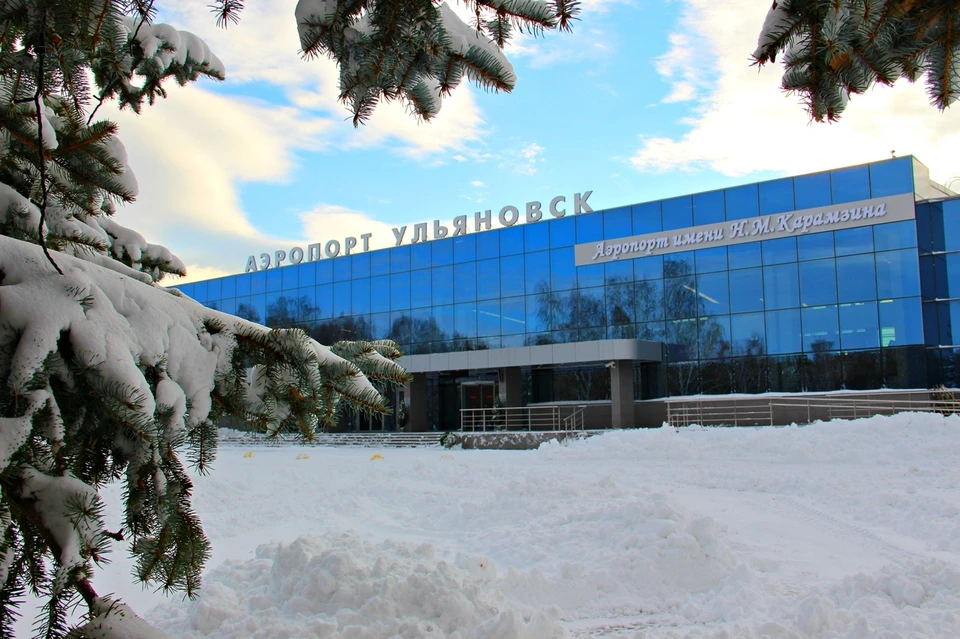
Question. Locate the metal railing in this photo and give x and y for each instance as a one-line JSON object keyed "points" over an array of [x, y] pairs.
{"points": [[522, 418], [803, 409]]}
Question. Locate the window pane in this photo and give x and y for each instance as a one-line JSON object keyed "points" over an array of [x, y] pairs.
{"points": [[821, 329], [361, 266], [563, 273], [442, 285], [678, 264], [852, 241], [708, 208], [862, 370], [324, 301], [488, 318], [815, 246], [859, 326], [399, 292], [589, 227], [951, 225], [214, 289], [591, 275], [783, 332], [617, 223], [488, 279], [776, 196], [488, 244], [563, 232], [681, 339], [680, 298], [537, 274], [711, 259], [677, 212], [779, 251], [421, 255], [465, 320], [896, 235], [512, 315], [342, 268], [653, 331], [818, 282], [538, 313], [898, 275], [380, 303], [229, 286], [274, 281], [620, 271], [744, 255], [646, 218], [361, 295], [901, 322], [400, 259], [536, 237], [243, 283], [649, 300], [590, 307], [749, 334], [464, 248], [442, 252], [746, 290], [713, 293], [781, 286], [511, 275], [342, 299], [421, 289], [812, 190], [465, 276], [379, 264], [619, 302], [856, 278], [742, 201], [714, 337], [645, 268], [891, 177], [850, 184]]}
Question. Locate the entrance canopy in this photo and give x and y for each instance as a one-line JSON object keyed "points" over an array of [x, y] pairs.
{"points": [[542, 355]]}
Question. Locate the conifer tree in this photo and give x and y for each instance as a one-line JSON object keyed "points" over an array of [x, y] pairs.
{"points": [[832, 49], [105, 376]]}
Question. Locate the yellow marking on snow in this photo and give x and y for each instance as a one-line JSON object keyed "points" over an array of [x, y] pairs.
{"points": [[303, 456], [248, 455], [376, 456]]}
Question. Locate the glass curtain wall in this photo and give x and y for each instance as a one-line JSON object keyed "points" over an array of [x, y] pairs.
{"points": [[814, 312]]}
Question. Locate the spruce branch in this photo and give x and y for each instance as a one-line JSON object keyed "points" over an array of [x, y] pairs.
{"points": [[43, 157]]}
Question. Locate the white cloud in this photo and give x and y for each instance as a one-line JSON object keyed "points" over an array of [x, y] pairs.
{"points": [[744, 123], [523, 160], [477, 183], [331, 222], [196, 273]]}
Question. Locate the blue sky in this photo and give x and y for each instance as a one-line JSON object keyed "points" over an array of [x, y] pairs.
{"points": [[644, 100]]}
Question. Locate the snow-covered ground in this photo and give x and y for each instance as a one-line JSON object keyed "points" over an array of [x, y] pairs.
{"points": [[840, 529]]}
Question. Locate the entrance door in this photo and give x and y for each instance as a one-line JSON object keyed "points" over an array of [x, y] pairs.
{"points": [[477, 394]]}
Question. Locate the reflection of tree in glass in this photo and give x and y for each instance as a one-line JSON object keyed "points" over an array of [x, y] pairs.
{"points": [[248, 312], [425, 333], [567, 313], [289, 312]]}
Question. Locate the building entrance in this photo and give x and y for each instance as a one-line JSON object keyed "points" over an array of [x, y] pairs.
{"points": [[477, 394]]}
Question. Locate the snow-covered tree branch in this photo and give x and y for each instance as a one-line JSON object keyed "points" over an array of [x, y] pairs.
{"points": [[833, 49]]}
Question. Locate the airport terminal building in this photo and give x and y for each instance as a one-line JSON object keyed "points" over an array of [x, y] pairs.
{"points": [[842, 279]]}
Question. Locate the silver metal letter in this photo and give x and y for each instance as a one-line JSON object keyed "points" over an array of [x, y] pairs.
{"points": [[365, 238], [313, 252], [460, 225], [580, 203], [554, 211], [399, 235], [264, 261], [296, 255], [419, 232], [437, 234], [349, 243], [251, 264], [279, 256], [534, 214], [332, 253], [503, 215], [482, 219]]}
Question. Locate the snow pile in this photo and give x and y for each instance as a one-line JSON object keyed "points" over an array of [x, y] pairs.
{"points": [[339, 585]]}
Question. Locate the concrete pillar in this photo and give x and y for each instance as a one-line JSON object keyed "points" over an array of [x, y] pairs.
{"points": [[621, 393], [511, 387], [415, 398]]}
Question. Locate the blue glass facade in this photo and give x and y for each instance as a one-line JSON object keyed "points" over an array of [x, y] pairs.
{"points": [[865, 307]]}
